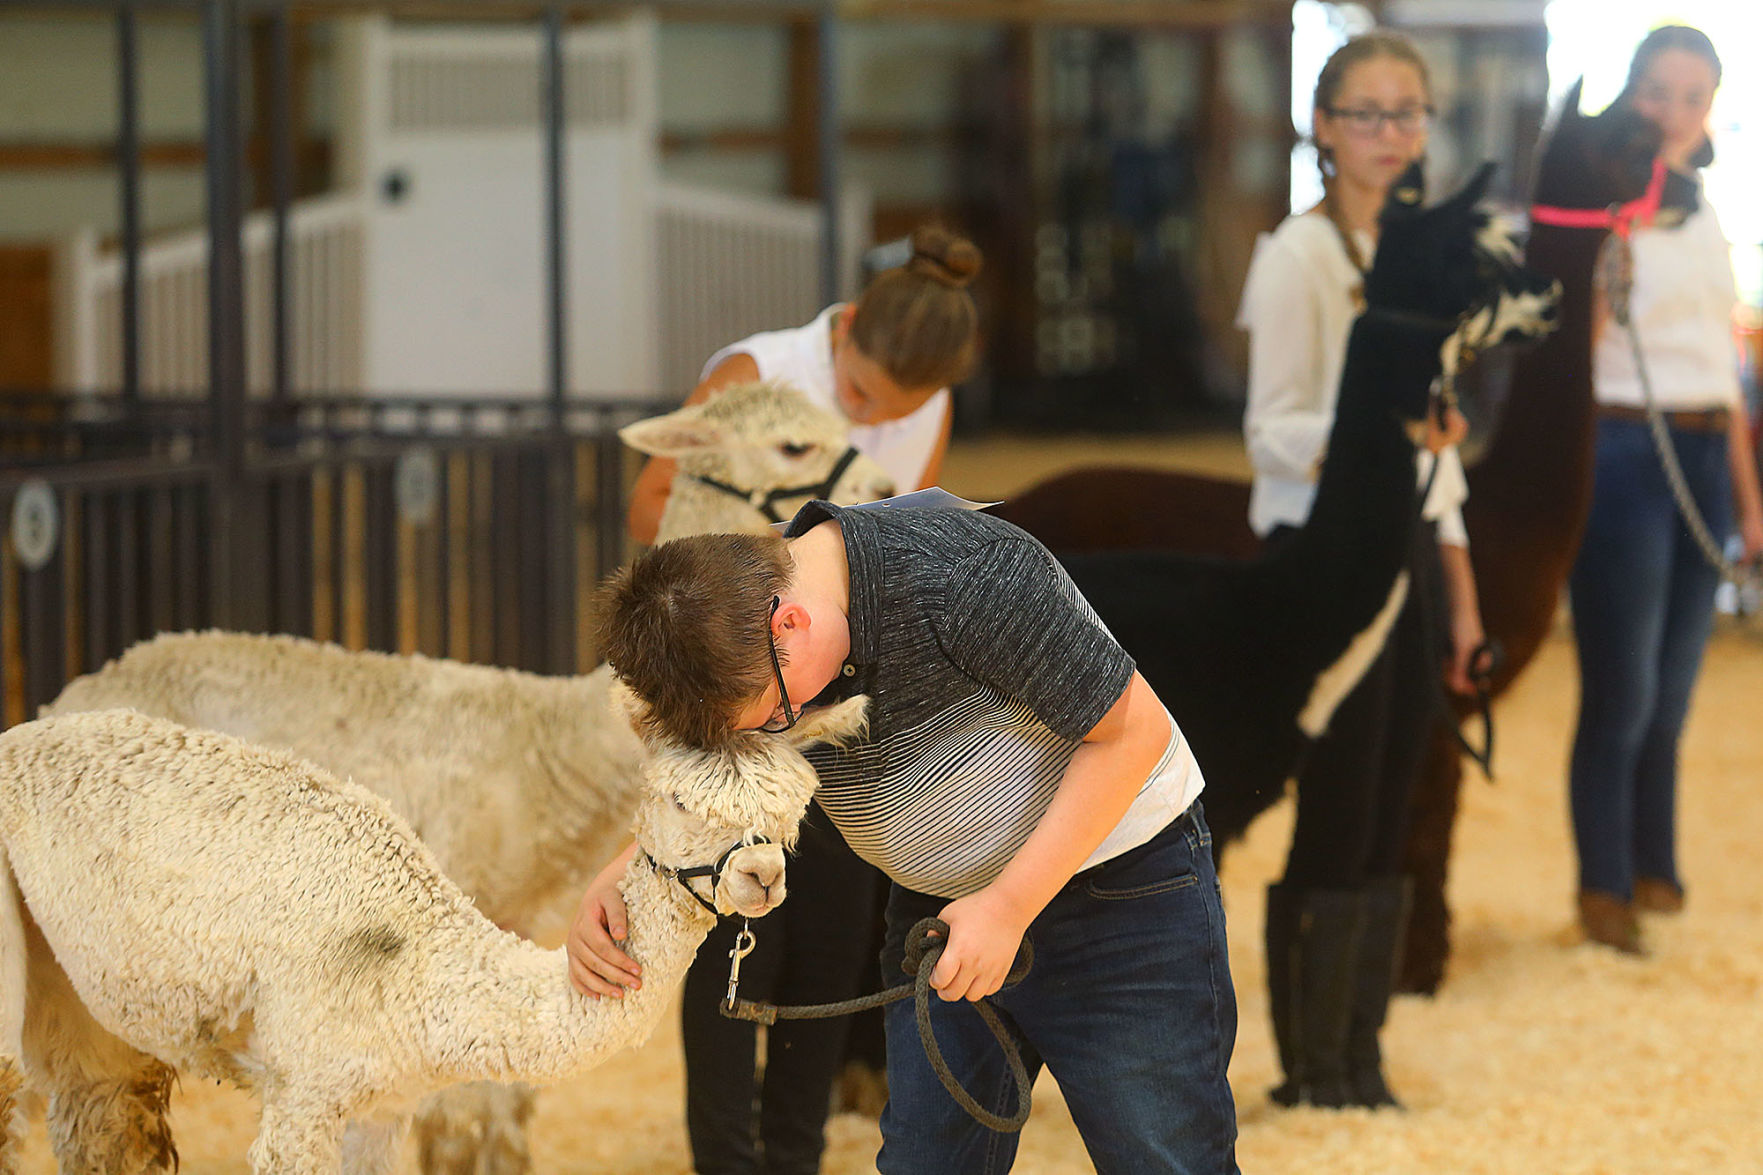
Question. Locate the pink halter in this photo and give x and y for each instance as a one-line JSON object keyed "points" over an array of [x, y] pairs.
{"points": [[1621, 218]]}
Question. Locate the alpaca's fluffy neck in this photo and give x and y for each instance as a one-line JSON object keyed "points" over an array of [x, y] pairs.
{"points": [[588, 771], [507, 1011], [1361, 527], [695, 508]]}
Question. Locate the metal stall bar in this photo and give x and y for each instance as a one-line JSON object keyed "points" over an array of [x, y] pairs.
{"points": [[281, 170], [226, 334], [559, 455], [832, 145], [128, 167]]}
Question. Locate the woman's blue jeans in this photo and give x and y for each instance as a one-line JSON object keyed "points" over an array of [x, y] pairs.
{"points": [[1643, 606], [1129, 1004]]}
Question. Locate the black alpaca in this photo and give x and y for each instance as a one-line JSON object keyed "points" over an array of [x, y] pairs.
{"points": [[1252, 657]]}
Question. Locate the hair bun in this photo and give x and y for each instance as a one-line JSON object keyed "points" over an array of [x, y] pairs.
{"points": [[943, 256]]}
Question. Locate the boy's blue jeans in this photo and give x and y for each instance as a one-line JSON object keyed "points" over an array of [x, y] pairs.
{"points": [[1129, 1004], [1643, 605]]}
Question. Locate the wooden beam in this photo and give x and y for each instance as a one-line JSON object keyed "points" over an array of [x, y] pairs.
{"points": [[86, 156], [801, 135], [862, 137], [1170, 14], [27, 357]]}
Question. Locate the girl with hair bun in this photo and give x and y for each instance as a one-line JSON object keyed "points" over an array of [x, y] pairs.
{"points": [[885, 362], [1335, 920]]}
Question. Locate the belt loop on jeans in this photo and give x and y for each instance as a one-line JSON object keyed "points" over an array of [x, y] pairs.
{"points": [[1684, 419]]}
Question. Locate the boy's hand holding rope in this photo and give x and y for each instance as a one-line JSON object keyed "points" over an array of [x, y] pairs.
{"points": [[924, 945]]}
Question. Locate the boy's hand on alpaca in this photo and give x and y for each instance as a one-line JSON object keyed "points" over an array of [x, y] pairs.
{"points": [[984, 934], [596, 966]]}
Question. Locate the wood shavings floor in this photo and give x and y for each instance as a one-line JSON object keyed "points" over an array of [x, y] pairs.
{"points": [[1541, 1055]]}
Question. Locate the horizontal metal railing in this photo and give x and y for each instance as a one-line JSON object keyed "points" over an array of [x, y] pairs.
{"points": [[468, 529]]}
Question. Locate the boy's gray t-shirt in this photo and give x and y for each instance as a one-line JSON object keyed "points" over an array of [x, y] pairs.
{"points": [[985, 668]]}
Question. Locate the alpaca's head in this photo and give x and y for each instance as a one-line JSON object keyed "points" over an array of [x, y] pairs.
{"points": [[1606, 159], [757, 439], [746, 795], [1455, 263]]}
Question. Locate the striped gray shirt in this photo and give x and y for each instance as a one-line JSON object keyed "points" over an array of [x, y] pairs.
{"points": [[985, 668]]}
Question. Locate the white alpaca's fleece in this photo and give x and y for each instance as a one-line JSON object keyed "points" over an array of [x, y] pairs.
{"points": [[521, 785], [182, 898]]}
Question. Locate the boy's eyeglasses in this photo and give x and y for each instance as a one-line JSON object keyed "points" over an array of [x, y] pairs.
{"points": [[1366, 122], [776, 724]]}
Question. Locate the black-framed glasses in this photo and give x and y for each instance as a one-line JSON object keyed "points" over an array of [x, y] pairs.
{"points": [[1366, 122], [776, 725]]}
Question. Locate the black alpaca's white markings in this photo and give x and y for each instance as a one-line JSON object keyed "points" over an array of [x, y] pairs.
{"points": [[1333, 684]]}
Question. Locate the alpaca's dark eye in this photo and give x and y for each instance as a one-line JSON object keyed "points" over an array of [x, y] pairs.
{"points": [[679, 804], [790, 450]]}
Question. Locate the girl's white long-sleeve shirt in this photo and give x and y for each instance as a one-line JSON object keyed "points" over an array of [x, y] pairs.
{"points": [[1681, 307], [1298, 307]]}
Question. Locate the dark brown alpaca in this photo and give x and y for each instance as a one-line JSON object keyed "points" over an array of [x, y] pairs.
{"points": [[1529, 494]]}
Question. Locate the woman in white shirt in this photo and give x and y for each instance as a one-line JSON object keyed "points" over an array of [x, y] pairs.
{"points": [[1641, 589], [885, 362], [1334, 922]]}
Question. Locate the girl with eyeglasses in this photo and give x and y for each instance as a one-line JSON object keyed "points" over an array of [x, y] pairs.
{"points": [[1335, 921], [884, 362], [1641, 590]]}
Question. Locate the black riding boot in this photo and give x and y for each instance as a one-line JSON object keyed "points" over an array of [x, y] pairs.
{"points": [[1312, 947], [1387, 902]]}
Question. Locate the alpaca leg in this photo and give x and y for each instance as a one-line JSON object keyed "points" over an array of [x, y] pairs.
{"points": [[106, 1101], [115, 1126], [476, 1129], [293, 1138], [12, 1117], [371, 1147], [1432, 816]]}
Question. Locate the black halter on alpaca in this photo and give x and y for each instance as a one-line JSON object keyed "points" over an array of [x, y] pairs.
{"points": [[685, 876], [765, 501]]}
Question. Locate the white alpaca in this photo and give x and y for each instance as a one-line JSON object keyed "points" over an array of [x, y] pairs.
{"points": [[177, 899], [518, 783], [761, 446]]}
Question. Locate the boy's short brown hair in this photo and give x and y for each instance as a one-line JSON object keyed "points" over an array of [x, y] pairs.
{"points": [[687, 624]]}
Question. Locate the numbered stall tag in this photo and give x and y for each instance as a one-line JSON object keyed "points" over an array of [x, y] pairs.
{"points": [[36, 524]]}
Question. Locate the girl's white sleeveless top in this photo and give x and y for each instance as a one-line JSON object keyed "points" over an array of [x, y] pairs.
{"points": [[803, 358]]}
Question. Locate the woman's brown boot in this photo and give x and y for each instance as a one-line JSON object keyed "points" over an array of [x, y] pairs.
{"points": [[1609, 920], [1655, 895]]}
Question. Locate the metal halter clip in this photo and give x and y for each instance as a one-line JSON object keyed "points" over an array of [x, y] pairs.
{"points": [[744, 944]]}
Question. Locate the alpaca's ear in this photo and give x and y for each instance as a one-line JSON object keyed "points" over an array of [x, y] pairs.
{"points": [[678, 434], [836, 724], [1406, 194], [1570, 104]]}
